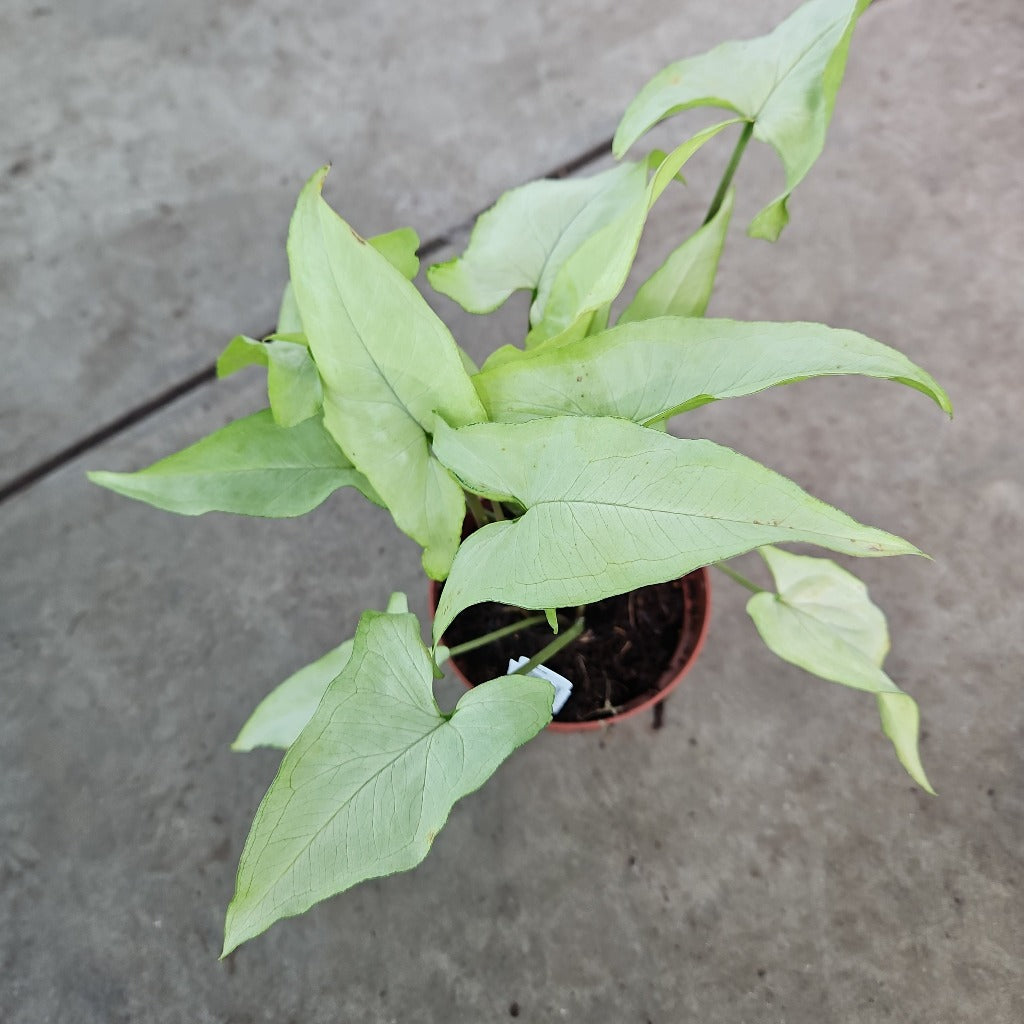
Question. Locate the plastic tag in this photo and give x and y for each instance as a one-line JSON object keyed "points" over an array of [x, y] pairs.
{"points": [[563, 688]]}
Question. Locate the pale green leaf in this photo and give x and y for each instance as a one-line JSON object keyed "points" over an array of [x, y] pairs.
{"points": [[389, 367], [251, 467], [822, 620], [284, 712], [595, 272], [240, 352], [612, 506], [523, 240], [293, 383], [682, 285], [785, 83], [399, 249], [371, 779], [652, 369], [288, 319]]}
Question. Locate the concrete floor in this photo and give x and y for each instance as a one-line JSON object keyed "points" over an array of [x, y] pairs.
{"points": [[762, 858]]}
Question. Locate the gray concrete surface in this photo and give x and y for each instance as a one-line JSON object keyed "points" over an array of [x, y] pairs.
{"points": [[761, 859], [158, 149]]}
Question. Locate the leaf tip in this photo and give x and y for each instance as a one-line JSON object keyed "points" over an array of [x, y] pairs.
{"points": [[439, 654], [768, 224], [105, 478], [231, 940], [437, 562], [890, 544], [941, 398], [915, 770], [238, 931], [317, 179]]}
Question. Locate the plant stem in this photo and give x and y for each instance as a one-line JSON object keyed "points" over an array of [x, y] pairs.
{"points": [[730, 170], [477, 510], [560, 641], [741, 580], [480, 641]]}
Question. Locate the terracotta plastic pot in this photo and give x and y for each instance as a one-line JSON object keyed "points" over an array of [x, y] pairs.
{"points": [[696, 596]]}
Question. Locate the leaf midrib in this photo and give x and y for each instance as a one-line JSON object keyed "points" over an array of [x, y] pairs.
{"points": [[356, 333], [341, 807], [573, 502], [782, 78]]}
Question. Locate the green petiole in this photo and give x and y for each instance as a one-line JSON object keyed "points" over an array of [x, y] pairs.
{"points": [[740, 579], [481, 641], [560, 641]]}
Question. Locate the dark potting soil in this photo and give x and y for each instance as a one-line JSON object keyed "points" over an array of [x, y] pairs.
{"points": [[629, 643]]}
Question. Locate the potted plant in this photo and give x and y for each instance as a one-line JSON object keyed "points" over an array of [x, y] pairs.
{"points": [[555, 452]]}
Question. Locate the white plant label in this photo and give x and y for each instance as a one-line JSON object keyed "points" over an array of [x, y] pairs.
{"points": [[563, 687]]}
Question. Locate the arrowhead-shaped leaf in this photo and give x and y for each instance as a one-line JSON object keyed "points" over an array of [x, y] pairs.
{"points": [[612, 506], [652, 369], [785, 83], [293, 384], [522, 241], [682, 285], [252, 467], [389, 366], [822, 620], [371, 779], [284, 712], [596, 271]]}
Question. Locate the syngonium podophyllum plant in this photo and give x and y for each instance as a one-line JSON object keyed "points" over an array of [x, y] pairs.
{"points": [[558, 448]]}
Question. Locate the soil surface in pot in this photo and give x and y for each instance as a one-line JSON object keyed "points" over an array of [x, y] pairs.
{"points": [[628, 644]]}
